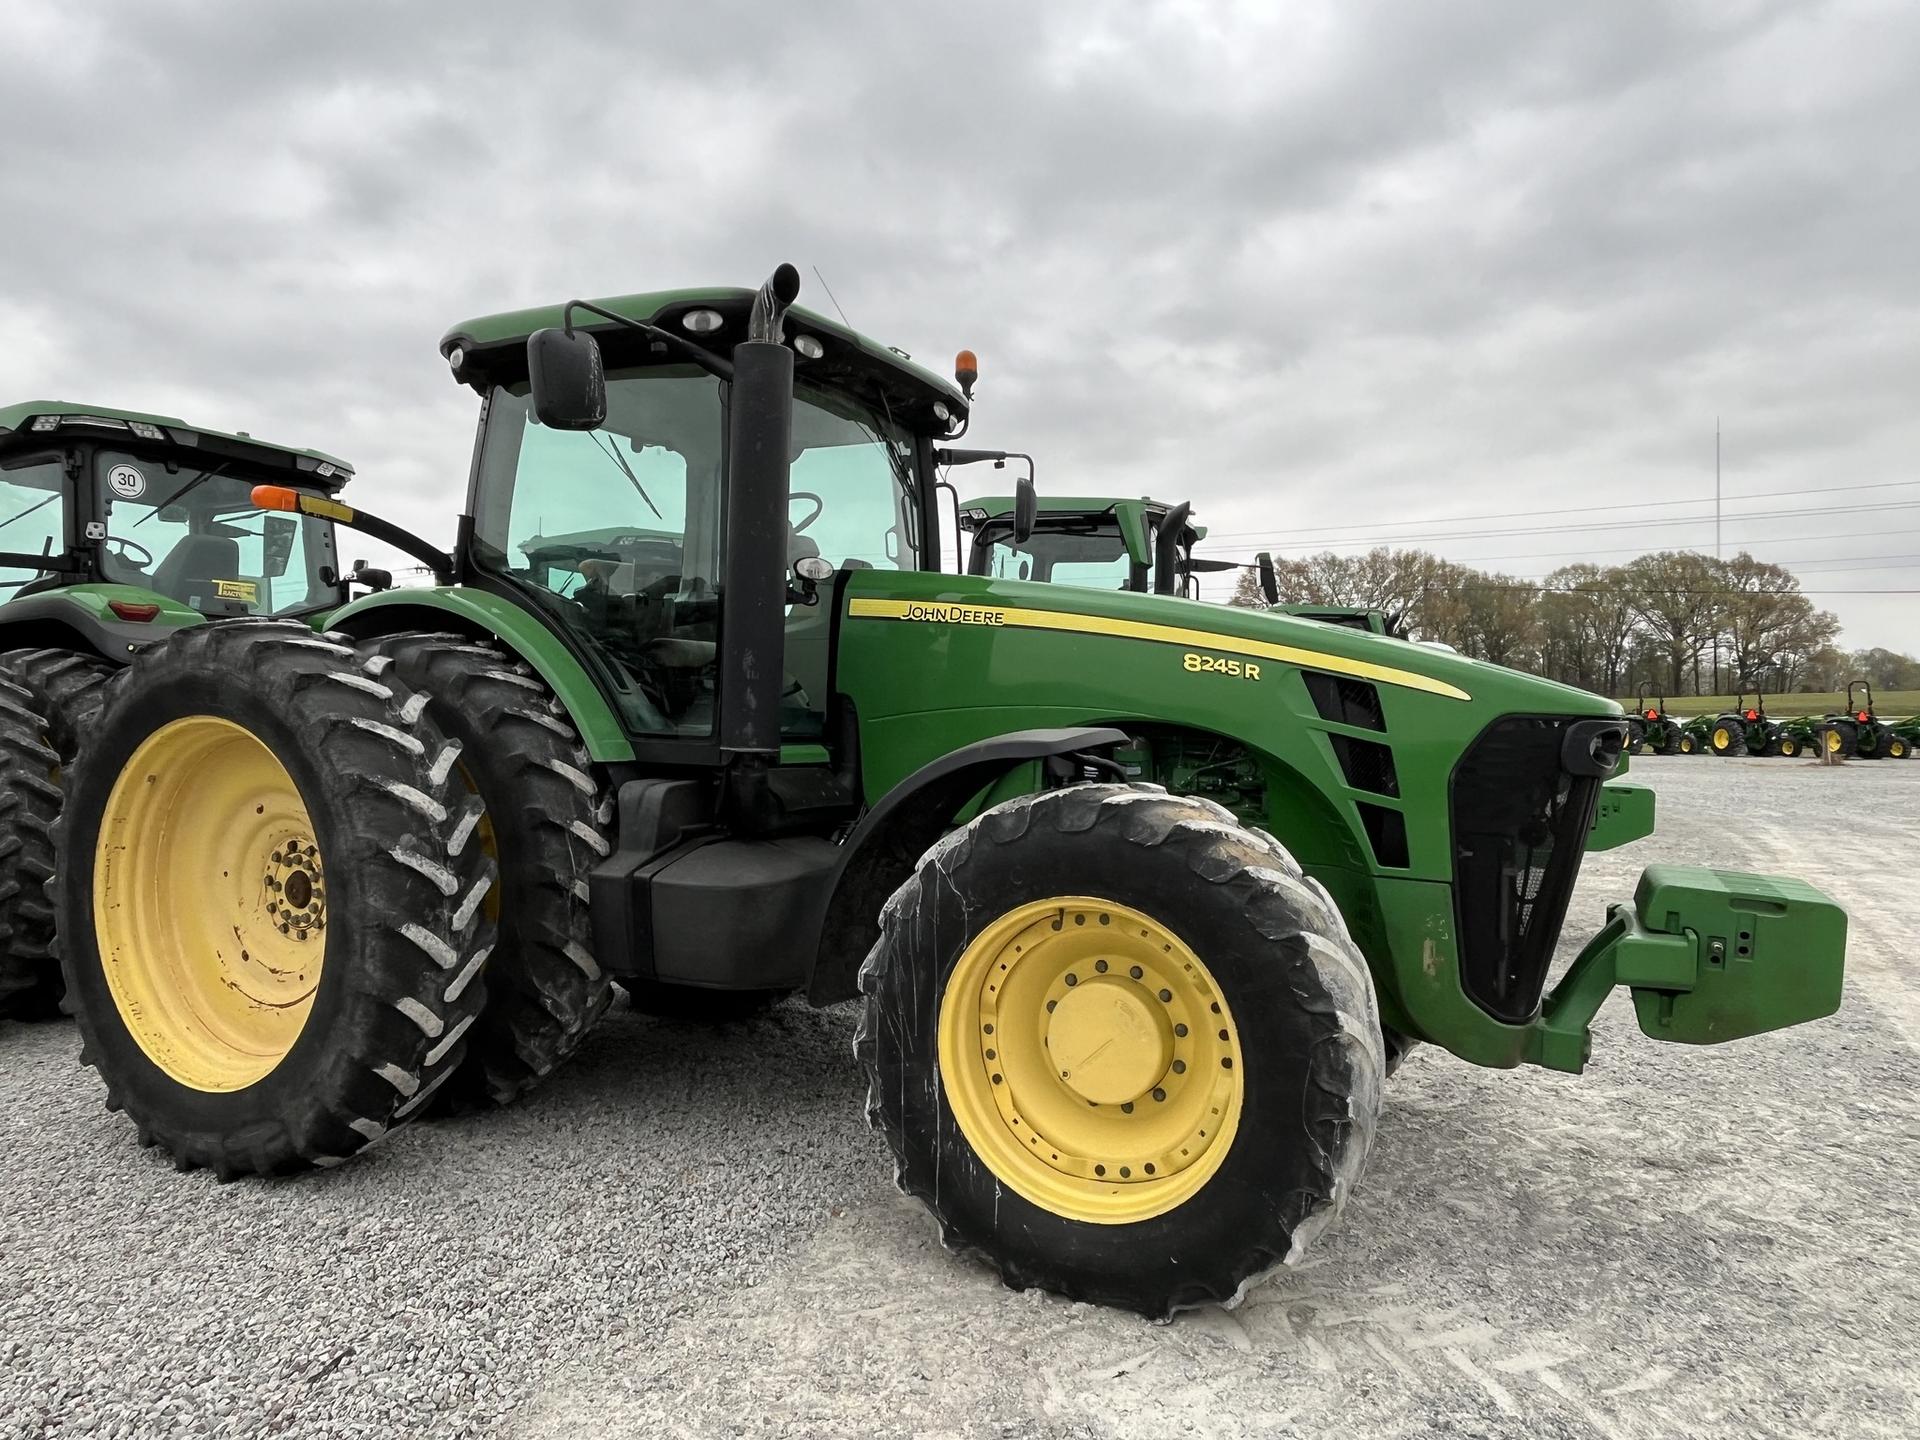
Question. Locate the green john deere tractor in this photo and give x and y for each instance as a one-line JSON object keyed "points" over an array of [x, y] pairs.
{"points": [[1746, 730], [1126, 1041], [1143, 545], [1859, 731], [117, 528], [1650, 727]]}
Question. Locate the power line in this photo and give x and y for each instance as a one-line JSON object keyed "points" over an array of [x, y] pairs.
{"points": [[1380, 541], [1642, 549], [1568, 510]]}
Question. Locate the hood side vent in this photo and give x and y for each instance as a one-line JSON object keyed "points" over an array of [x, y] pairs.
{"points": [[1345, 701]]}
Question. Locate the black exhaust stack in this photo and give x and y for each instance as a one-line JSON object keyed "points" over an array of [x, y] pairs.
{"points": [[753, 605], [1166, 550]]}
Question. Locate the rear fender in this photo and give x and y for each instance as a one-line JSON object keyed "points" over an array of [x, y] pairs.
{"points": [[520, 630]]}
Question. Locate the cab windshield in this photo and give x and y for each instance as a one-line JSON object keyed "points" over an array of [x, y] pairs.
{"points": [[192, 533], [619, 530]]}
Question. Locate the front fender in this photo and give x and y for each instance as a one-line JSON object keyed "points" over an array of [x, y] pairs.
{"points": [[903, 824], [461, 607]]}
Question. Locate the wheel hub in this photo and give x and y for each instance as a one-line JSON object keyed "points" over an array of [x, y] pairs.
{"points": [[297, 891], [1111, 1039]]}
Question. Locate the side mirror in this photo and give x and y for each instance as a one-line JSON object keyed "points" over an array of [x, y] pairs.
{"points": [[278, 533], [1269, 583], [569, 379], [1026, 510]]}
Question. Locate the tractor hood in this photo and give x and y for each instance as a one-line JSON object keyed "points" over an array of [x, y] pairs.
{"points": [[1295, 640]]}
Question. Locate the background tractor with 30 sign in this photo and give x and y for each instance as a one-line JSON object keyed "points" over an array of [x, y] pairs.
{"points": [[117, 528], [1130, 890]]}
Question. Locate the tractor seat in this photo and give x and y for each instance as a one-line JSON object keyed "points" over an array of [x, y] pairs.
{"points": [[188, 571]]}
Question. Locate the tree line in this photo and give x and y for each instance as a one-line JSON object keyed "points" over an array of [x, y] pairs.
{"points": [[1673, 623]]}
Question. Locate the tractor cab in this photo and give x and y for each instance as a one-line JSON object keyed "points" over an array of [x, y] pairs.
{"points": [[1103, 543], [111, 518]]}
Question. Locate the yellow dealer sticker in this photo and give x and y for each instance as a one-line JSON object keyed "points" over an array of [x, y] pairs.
{"points": [[945, 613], [237, 590]]}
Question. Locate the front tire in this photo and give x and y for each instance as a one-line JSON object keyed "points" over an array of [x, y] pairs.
{"points": [[30, 987], [271, 900], [1219, 1026], [546, 829]]}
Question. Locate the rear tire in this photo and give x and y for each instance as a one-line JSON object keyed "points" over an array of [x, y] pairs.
{"points": [[30, 987], [1226, 914], [1838, 738], [67, 688], [258, 749], [1898, 748], [546, 829], [1729, 737]]}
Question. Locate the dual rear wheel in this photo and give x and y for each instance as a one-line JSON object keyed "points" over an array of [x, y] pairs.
{"points": [[306, 888]]}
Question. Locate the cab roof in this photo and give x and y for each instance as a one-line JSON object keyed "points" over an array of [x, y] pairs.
{"points": [[30, 421], [493, 347], [998, 507]]}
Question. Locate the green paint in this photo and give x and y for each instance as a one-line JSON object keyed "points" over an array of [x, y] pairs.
{"points": [[519, 630], [1625, 815], [1709, 957]]}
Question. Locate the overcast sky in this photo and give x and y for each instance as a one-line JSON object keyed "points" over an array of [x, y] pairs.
{"points": [[1311, 266]]}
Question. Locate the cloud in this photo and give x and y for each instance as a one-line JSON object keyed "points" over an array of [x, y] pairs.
{"points": [[1307, 265]]}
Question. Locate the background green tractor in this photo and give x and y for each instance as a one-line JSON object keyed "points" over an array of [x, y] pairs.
{"points": [[1858, 731], [1746, 730], [1650, 727], [1126, 1040], [1907, 732], [116, 528], [1143, 545]]}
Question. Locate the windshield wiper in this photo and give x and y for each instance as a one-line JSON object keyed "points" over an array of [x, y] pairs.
{"points": [[37, 505], [613, 454], [200, 479]]}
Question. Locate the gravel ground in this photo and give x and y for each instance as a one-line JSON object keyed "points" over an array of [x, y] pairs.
{"points": [[691, 1232]]}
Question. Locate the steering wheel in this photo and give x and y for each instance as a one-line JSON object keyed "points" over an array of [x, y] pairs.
{"points": [[145, 562], [818, 506]]}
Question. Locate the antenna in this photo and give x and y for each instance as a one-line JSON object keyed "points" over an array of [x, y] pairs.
{"points": [[829, 289]]}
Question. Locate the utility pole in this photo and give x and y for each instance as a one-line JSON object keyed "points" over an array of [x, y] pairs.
{"points": [[1716, 543]]}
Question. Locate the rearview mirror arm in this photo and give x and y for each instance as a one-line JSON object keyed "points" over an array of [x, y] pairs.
{"points": [[704, 358]]}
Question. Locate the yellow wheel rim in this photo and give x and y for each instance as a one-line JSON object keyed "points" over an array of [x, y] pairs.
{"points": [[1722, 739], [1833, 741], [1091, 1060], [1897, 749], [209, 904]]}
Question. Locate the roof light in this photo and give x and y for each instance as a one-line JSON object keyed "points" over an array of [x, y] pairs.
{"points": [[46, 422], [973, 517], [813, 567], [103, 422], [702, 322], [146, 431], [966, 370], [941, 413], [456, 356], [809, 348], [136, 611]]}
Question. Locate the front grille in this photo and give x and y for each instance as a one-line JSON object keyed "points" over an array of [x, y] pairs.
{"points": [[1520, 822]]}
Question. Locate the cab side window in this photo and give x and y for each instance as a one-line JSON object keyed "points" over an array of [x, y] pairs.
{"points": [[33, 517]]}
